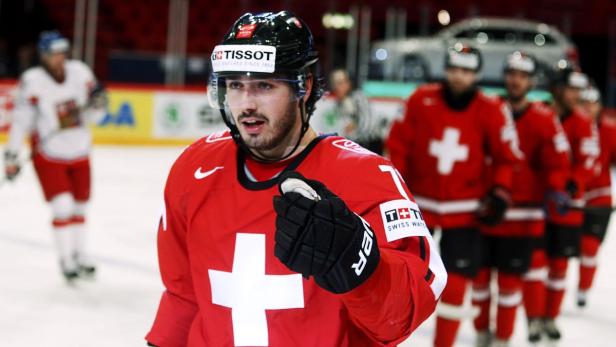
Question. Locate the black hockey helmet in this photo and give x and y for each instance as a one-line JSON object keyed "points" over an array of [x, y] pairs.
{"points": [[464, 56], [566, 74], [266, 45], [520, 61]]}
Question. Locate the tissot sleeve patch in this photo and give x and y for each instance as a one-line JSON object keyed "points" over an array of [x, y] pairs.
{"points": [[402, 218]]}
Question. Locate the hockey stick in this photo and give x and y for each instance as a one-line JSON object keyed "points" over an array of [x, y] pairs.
{"points": [[576, 205]]}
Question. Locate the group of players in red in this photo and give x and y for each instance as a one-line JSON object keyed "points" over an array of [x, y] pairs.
{"points": [[345, 257], [515, 187]]}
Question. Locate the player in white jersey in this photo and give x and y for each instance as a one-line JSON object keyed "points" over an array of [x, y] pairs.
{"points": [[54, 101]]}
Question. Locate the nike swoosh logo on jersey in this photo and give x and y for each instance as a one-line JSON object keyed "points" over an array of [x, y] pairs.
{"points": [[201, 175]]}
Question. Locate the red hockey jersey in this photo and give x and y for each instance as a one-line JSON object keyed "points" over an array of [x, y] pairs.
{"points": [[225, 287], [545, 168], [583, 138], [599, 190], [442, 153]]}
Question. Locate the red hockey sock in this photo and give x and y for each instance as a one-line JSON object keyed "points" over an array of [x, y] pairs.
{"points": [[509, 298], [534, 286], [450, 311], [588, 261], [481, 299], [556, 286]]}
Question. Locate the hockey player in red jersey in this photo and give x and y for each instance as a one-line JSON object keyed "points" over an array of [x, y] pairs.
{"points": [[54, 103], [273, 235], [440, 148], [507, 247], [562, 233], [598, 194]]}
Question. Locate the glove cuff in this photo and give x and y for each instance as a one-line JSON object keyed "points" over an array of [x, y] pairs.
{"points": [[356, 264]]}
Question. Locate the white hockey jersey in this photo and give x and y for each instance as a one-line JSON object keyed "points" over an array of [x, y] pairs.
{"points": [[55, 112]]}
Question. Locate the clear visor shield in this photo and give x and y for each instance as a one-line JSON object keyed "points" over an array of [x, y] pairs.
{"points": [[245, 95]]}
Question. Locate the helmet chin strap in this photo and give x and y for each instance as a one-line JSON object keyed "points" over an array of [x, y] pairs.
{"points": [[238, 138]]}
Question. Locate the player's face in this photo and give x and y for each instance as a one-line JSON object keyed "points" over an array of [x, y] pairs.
{"points": [[460, 80], [55, 62], [266, 112], [570, 97], [341, 85], [591, 108], [517, 84]]}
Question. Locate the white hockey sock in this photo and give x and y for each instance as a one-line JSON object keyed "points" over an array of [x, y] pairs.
{"points": [[80, 241], [63, 236], [62, 206], [80, 235]]}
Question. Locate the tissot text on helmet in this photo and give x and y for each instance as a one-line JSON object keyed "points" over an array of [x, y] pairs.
{"points": [[254, 58]]}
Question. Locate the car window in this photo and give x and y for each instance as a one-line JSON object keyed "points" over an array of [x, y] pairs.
{"points": [[465, 34], [487, 35], [536, 38], [413, 69], [376, 70]]}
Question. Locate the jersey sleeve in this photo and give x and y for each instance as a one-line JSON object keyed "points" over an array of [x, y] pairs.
{"points": [[24, 115], [91, 113], [585, 152], [502, 143], [612, 149], [84, 71], [178, 306], [555, 152], [404, 289], [400, 139]]}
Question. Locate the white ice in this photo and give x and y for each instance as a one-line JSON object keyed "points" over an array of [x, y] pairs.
{"points": [[37, 308]]}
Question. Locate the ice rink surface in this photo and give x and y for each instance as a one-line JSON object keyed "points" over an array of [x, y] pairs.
{"points": [[37, 308]]}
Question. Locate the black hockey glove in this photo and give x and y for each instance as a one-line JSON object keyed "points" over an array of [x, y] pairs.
{"points": [[572, 188], [562, 201], [11, 165], [98, 98], [493, 206], [317, 235]]}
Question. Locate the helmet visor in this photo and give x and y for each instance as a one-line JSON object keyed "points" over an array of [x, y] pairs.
{"points": [[242, 94]]}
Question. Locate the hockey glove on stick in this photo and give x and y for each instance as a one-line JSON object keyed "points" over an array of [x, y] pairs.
{"points": [[560, 201], [317, 235], [11, 165], [563, 201], [493, 206], [98, 98]]}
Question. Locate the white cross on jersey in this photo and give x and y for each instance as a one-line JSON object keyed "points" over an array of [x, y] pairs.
{"points": [[448, 151], [248, 291]]}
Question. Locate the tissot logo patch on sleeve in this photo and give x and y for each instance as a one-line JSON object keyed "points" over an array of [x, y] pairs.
{"points": [[244, 58], [402, 218]]}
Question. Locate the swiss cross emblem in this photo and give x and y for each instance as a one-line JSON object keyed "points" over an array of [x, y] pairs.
{"points": [[249, 291], [245, 31], [218, 55], [404, 213]]}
